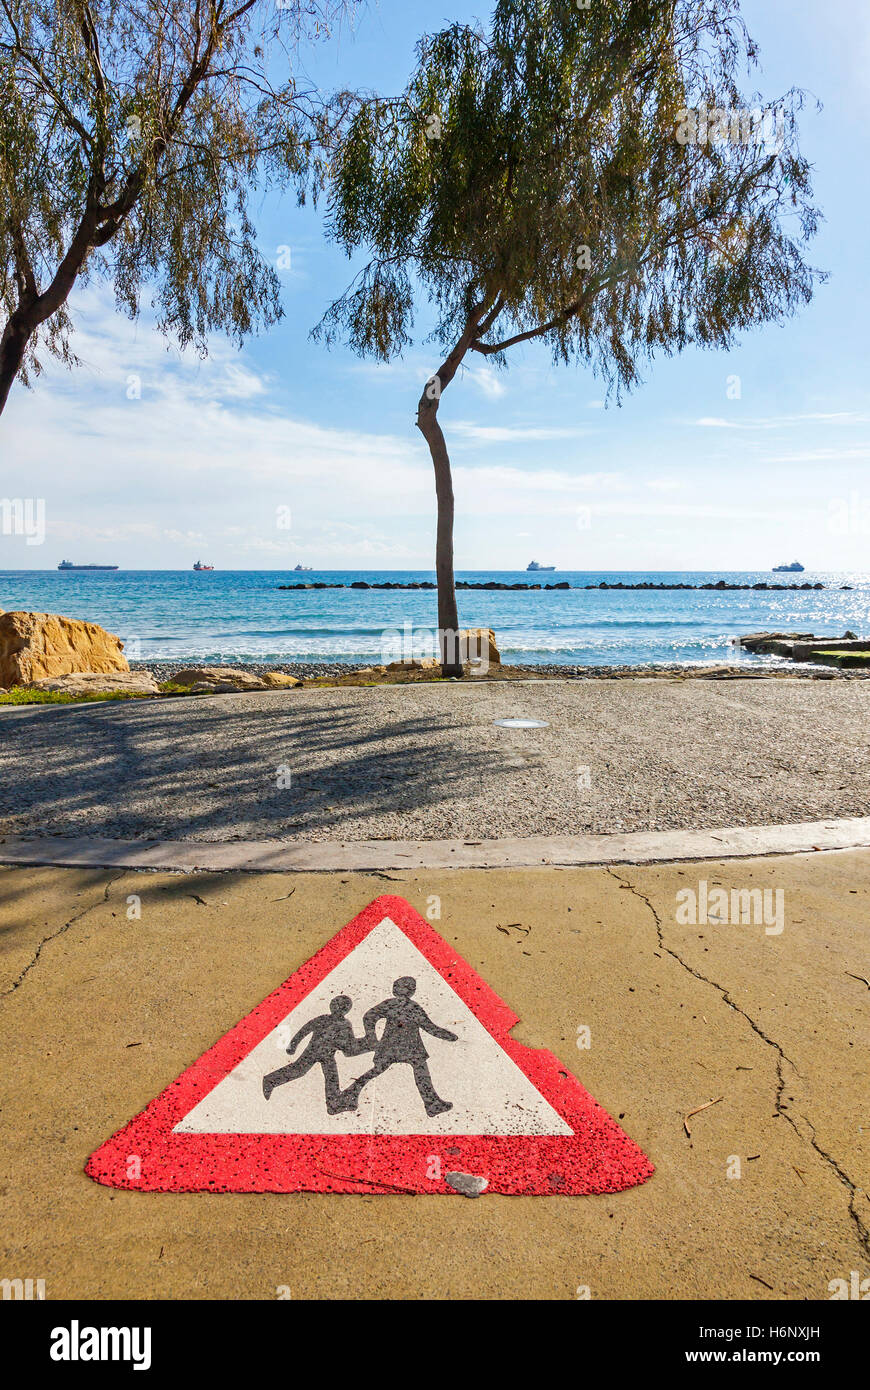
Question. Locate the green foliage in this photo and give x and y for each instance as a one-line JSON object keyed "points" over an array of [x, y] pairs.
{"points": [[512, 150], [20, 695], [132, 136], [853, 658]]}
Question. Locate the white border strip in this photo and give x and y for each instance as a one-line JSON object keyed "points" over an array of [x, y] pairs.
{"points": [[565, 851]]}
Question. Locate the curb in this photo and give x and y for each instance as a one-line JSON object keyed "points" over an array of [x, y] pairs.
{"points": [[360, 856]]}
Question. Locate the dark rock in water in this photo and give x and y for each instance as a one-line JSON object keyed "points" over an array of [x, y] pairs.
{"points": [[802, 646], [773, 643], [721, 586], [492, 585]]}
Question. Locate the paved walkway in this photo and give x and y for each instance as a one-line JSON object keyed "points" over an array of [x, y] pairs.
{"points": [[98, 1013], [426, 762]]}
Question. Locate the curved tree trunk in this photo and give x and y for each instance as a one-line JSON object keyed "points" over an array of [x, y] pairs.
{"points": [[13, 346], [35, 309], [427, 424], [448, 615]]}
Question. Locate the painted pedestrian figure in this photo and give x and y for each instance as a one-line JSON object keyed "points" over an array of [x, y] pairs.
{"points": [[400, 1041], [330, 1033], [404, 1022]]}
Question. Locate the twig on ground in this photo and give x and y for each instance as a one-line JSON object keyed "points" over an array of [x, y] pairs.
{"points": [[697, 1111]]}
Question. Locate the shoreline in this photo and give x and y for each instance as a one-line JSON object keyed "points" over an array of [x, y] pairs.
{"points": [[164, 670]]}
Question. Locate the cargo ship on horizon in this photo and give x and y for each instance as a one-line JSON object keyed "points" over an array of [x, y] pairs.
{"points": [[68, 565]]}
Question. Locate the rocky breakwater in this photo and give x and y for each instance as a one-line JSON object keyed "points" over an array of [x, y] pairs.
{"points": [[721, 585], [493, 585], [848, 650]]}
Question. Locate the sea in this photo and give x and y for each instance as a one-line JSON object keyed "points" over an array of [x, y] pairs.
{"points": [[244, 616]]}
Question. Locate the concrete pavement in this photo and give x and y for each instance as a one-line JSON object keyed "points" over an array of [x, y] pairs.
{"points": [[100, 1009]]}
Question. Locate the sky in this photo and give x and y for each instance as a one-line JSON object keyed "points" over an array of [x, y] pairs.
{"points": [[287, 452]]}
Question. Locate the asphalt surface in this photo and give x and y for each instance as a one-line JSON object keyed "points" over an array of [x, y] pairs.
{"points": [[427, 762]]}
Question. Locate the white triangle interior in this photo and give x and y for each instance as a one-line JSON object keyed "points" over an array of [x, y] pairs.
{"points": [[488, 1091]]}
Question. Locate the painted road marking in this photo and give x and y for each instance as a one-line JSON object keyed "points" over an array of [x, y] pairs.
{"points": [[381, 1065], [486, 1090]]}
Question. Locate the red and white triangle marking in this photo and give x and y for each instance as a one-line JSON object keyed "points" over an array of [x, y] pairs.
{"points": [[517, 1118]]}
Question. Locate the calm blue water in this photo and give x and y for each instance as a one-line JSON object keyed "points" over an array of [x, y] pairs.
{"points": [[239, 615]]}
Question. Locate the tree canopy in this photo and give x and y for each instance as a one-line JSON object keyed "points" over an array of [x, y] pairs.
{"points": [[590, 175], [511, 151], [132, 133]]}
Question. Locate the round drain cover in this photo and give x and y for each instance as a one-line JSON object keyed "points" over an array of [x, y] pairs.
{"points": [[521, 723]]}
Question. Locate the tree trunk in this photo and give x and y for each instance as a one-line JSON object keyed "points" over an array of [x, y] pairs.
{"points": [[448, 615], [13, 346]]}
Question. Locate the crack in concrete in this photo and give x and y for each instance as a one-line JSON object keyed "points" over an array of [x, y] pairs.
{"points": [[53, 936], [862, 1229]]}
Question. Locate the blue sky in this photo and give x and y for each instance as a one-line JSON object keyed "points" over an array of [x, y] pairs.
{"points": [[215, 458]]}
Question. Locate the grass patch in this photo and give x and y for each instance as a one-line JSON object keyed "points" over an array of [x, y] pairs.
{"points": [[856, 658], [18, 696]]}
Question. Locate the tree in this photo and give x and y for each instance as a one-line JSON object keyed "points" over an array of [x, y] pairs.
{"points": [[131, 135], [584, 174]]}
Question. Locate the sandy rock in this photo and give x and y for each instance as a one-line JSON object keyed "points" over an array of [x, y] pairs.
{"points": [[36, 646], [222, 688], [417, 663], [479, 642], [218, 679], [96, 683], [280, 680]]}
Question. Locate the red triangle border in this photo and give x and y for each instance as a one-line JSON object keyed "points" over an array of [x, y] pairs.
{"points": [[147, 1156]]}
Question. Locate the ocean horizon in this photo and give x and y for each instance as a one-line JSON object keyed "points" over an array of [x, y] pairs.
{"points": [[243, 615]]}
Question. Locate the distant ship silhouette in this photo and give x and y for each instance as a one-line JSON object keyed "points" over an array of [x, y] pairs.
{"points": [[68, 565]]}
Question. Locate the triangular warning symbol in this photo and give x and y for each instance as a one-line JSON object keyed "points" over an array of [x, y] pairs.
{"points": [[384, 1064]]}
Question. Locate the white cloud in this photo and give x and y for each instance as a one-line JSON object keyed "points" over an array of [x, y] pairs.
{"points": [[775, 422], [200, 464], [509, 434], [488, 381]]}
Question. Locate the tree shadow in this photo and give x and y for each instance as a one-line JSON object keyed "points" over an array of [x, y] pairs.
{"points": [[189, 769]]}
